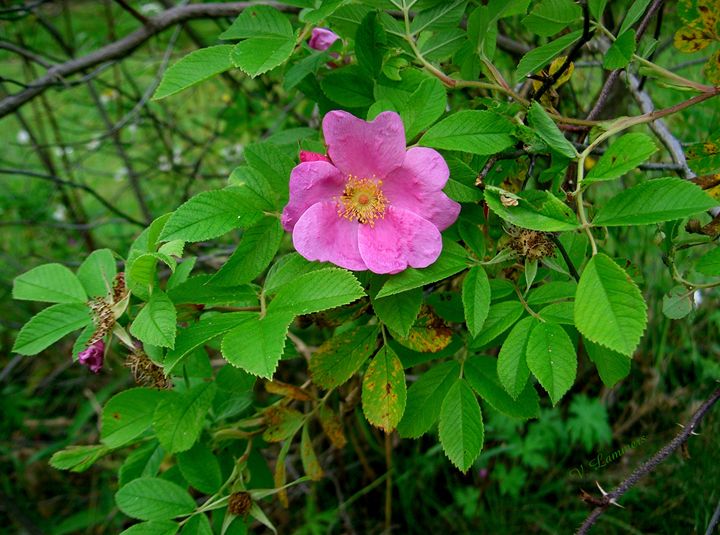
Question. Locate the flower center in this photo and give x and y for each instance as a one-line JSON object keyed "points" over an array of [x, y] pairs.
{"points": [[362, 200]]}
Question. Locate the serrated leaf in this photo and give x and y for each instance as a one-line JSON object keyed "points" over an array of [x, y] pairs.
{"points": [[424, 106], [260, 54], [624, 155], [709, 263], [194, 68], [481, 373], [310, 462], [256, 344], [425, 397], [548, 131], [500, 318], [97, 273], [535, 209], [548, 17], [258, 20], [349, 87], [429, 333], [512, 369], [332, 426], [611, 365], [634, 12], [338, 358], [538, 57], [384, 392], [476, 299], [50, 325], [275, 167], [256, 250], [78, 458], [461, 426], [441, 16], [370, 40], [153, 527], [149, 498], [551, 358], [286, 269], [200, 468], [609, 308], [399, 311], [142, 462], [208, 215], [127, 415], [199, 290], [317, 291], [453, 259], [654, 201], [180, 417], [476, 132], [620, 53], [156, 323], [50, 283], [676, 303]]}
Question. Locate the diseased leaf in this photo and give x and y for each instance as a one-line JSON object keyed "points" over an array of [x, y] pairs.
{"points": [[384, 392], [309, 459], [338, 358]]}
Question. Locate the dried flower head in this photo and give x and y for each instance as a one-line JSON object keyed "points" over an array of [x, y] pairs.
{"points": [[531, 244], [240, 503], [145, 371]]}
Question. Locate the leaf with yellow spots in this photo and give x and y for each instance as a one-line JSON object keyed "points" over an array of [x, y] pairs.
{"points": [[309, 459], [692, 39], [286, 390], [710, 15], [704, 157], [282, 423], [429, 333], [709, 183], [384, 392], [338, 358], [712, 68], [332, 427], [555, 67], [280, 475]]}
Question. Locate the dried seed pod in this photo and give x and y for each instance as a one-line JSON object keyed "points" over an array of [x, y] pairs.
{"points": [[240, 503]]}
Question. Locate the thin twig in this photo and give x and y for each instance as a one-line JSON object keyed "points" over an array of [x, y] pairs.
{"points": [[610, 498]]}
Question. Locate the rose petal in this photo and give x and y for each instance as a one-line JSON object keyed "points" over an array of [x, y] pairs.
{"points": [[322, 38], [399, 240], [308, 156], [310, 183], [416, 185], [365, 149], [321, 234]]}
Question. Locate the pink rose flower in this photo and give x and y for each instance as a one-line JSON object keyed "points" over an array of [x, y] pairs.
{"points": [[308, 156], [93, 356], [322, 38], [374, 205]]}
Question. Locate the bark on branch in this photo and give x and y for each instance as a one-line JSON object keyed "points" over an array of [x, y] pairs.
{"points": [[123, 47]]}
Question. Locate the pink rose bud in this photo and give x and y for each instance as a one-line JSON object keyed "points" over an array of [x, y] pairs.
{"points": [[93, 356], [322, 38], [307, 156]]}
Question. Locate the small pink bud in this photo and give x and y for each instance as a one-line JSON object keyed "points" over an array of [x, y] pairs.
{"points": [[93, 356], [307, 156], [322, 38]]}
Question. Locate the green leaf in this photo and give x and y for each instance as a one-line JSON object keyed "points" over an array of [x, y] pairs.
{"points": [[461, 426], [538, 57], [127, 415], [384, 392], [512, 369], [156, 323], [501, 317], [256, 250], [536, 209], [624, 155], [257, 344], [620, 53], [305, 67], [97, 273], [476, 299], [150, 498], [443, 44], [425, 397], [552, 291], [548, 131], [339, 357], [50, 325], [588, 422], [709, 263], [552, 359], [154, 527], [260, 54], [180, 417], [443, 15], [477, 132], [609, 308], [597, 7], [453, 259], [481, 373], [286, 269], [258, 20], [654, 201], [424, 106], [143, 462], [199, 290], [634, 12], [208, 215], [194, 68], [78, 458], [274, 165], [200, 468], [317, 291], [676, 303], [200, 333], [399, 311], [348, 86], [200, 525], [50, 283], [370, 40], [548, 17], [611, 365]]}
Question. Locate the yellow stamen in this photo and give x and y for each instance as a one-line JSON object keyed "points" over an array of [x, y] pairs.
{"points": [[362, 200]]}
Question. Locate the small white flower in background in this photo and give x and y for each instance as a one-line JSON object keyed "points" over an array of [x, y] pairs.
{"points": [[132, 129], [93, 144], [121, 173], [60, 213], [108, 95], [697, 298], [151, 8], [59, 151], [177, 155], [23, 137], [232, 153], [164, 164]]}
